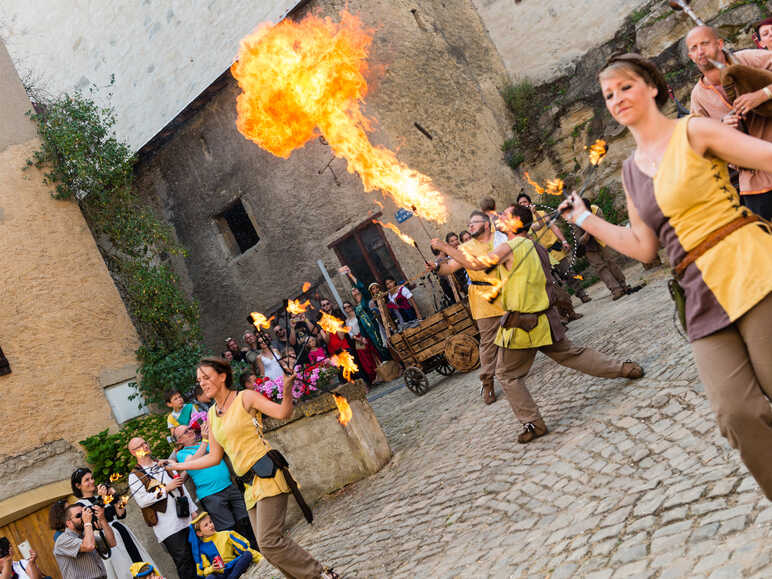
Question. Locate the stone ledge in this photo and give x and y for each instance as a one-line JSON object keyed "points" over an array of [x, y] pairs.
{"points": [[319, 405]]}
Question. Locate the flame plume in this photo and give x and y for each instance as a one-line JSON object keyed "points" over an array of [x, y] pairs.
{"points": [[509, 223], [260, 321], [303, 78], [538, 188], [331, 324], [403, 236], [598, 151], [306, 286], [483, 259], [344, 410], [345, 361], [295, 307], [115, 477], [107, 498], [553, 186]]}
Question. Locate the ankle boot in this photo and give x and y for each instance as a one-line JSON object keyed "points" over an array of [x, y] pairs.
{"points": [[488, 394], [532, 430]]}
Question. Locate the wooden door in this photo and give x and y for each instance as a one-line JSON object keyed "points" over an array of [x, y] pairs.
{"points": [[34, 528]]}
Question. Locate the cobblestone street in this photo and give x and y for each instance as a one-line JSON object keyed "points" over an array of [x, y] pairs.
{"points": [[633, 480]]}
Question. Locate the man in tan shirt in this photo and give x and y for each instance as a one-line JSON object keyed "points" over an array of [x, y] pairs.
{"points": [[710, 100]]}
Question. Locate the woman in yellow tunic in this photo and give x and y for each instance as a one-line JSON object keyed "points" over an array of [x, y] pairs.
{"points": [[237, 433], [679, 194]]}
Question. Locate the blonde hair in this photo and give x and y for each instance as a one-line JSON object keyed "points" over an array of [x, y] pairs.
{"points": [[635, 66]]}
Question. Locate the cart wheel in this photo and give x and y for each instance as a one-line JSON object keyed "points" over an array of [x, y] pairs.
{"points": [[444, 367], [416, 381]]}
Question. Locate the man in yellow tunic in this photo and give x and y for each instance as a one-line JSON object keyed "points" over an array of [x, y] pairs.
{"points": [[485, 314], [532, 324]]}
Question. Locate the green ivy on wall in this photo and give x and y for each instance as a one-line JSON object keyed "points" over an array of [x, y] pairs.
{"points": [[84, 162]]}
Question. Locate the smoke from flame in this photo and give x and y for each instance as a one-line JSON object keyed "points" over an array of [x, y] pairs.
{"points": [[295, 307], [345, 361], [300, 77], [260, 321], [403, 236], [344, 410], [331, 324]]}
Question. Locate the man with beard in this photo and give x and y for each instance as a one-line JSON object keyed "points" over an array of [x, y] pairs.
{"points": [[485, 314], [75, 549], [710, 100]]}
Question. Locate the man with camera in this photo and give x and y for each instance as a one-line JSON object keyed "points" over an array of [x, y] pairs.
{"points": [[77, 550], [166, 505]]}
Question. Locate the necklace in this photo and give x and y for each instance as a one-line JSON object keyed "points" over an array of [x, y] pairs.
{"points": [[221, 410]]}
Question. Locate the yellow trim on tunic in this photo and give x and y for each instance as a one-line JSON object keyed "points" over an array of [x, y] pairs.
{"points": [[237, 434], [687, 187], [525, 292]]}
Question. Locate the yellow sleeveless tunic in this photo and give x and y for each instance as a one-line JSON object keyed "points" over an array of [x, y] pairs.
{"points": [[480, 307], [237, 434]]}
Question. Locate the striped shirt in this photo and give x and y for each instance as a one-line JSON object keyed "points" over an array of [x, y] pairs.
{"points": [[75, 564]]}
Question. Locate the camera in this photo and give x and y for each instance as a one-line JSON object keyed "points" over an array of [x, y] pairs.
{"points": [[182, 506]]}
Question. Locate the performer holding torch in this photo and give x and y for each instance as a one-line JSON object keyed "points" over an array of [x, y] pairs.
{"points": [[678, 194]]}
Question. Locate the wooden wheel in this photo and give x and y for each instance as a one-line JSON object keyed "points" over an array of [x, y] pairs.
{"points": [[444, 367], [416, 380], [462, 352]]}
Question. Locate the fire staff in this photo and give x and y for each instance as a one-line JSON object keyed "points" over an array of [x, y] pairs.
{"points": [[678, 194], [531, 323]]}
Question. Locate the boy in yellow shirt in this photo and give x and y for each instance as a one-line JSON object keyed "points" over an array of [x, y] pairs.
{"points": [[219, 554]]}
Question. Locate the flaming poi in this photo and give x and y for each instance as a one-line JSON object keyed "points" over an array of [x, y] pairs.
{"points": [[295, 307], [509, 223], [303, 78], [107, 498], [331, 324], [344, 409], [553, 186], [598, 151], [115, 477], [579, 277], [538, 188], [403, 236], [345, 361], [260, 321], [306, 286]]}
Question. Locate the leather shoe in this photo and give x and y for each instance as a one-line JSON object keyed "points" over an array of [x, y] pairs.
{"points": [[488, 393], [532, 430], [632, 370], [585, 298]]}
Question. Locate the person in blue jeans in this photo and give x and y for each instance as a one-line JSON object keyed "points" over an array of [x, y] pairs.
{"points": [[219, 554], [217, 494]]}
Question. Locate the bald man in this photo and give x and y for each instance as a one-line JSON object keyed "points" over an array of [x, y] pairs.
{"points": [[710, 100]]}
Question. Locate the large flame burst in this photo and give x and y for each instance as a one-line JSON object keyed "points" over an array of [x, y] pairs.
{"points": [[551, 186], [260, 321], [295, 307], [331, 324], [345, 361], [300, 77], [344, 409]]}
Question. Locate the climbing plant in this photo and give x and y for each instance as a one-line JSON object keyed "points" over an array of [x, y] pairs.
{"points": [[86, 163]]}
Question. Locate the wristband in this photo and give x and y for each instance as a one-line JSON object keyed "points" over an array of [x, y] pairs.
{"points": [[87, 525], [204, 440], [767, 92], [581, 218]]}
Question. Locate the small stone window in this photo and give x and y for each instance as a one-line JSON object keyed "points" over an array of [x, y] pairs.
{"points": [[237, 228], [5, 366]]}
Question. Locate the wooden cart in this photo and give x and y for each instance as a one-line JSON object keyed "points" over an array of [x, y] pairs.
{"points": [[446, 341]]}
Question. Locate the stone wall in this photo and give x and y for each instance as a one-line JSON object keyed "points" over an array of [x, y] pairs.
{"points": [[439, 70]]}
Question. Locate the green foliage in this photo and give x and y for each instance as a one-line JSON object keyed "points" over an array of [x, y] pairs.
{"points": [[85, 162], [109, 454], [638, 15], [522, 99], [605, 200]]}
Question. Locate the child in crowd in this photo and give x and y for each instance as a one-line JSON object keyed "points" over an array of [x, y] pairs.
{"points": [[180, 413], [202, 400], [247, 380], [315, 353], [144, 570], [219, 554]]}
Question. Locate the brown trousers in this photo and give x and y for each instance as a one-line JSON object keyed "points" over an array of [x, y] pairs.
{"points": [[606, 268], [570, 281], [488, 349], [267, 518], [513, 366], [735, 364]]}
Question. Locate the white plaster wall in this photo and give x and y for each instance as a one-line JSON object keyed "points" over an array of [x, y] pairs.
{"points": [[539, 39], [163, 53]]}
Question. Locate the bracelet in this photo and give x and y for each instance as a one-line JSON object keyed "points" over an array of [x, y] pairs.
{"points": [[204, 440], [581, 218], [767, 92], [87, 524]]}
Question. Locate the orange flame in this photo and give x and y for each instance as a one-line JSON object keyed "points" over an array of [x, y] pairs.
{"points": [[345, 361], [295, 307], [509, 223], [306, 286], [260, 321], [483, 259], [598, 151], [553, 186], [303, 78], [107, 498], [403, 236], [491, 293], [344, 410], [539, 189], [115, 477], [331, 324], [124, 501], [379, 204], [577, 276]]}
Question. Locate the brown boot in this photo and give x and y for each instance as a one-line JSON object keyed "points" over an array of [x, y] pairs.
{"points": [[585, 298], [488, 394], [532, 430], [620, 293], [632, 370]]}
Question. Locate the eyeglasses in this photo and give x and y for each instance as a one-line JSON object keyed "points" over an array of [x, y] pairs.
{"points": [[475, 222], [78, 515]]}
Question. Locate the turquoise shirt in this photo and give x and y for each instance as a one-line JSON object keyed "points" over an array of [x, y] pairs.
{"points": [[207, 480]]}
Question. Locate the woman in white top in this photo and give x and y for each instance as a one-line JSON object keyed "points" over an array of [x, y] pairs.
{"points": [[266, 361]]}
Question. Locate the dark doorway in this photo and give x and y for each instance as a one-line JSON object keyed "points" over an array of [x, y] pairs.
{"points": [[367, 252]]}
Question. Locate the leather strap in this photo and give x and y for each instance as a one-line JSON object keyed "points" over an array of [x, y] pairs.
{"points": [[713, 238]]}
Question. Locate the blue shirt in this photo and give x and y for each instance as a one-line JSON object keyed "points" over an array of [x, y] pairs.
{"points": [[207, 480]]}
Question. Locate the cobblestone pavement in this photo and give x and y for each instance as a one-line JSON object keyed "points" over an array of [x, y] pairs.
{"points": [[633, 480]]}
